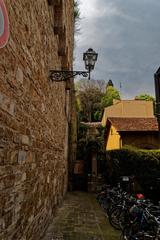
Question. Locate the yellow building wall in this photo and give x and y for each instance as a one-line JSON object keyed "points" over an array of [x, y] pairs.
{"points": [[114, 140]]}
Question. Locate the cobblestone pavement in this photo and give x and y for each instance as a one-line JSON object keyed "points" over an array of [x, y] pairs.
{"points": [[80, 218]]}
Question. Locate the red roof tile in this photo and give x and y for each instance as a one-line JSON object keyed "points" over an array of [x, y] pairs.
{"points": [[134, 124]]}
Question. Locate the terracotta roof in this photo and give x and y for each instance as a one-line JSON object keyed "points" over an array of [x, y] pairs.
{"points": [[134, 124]]}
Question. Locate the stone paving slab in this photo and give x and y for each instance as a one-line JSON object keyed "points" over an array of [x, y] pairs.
{"points": [[80, 218]]}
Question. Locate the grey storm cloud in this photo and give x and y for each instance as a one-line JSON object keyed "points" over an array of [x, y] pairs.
{"points": [[126, 35]]}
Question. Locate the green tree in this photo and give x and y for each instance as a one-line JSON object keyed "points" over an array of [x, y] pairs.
{"points": [[89, 94], [92, 97], [89, 102], [110, 94], [76, 16], [98, 115], [83, 84], [145, 97]]}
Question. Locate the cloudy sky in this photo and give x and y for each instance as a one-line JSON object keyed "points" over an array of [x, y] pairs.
{"points": [[126, 36]]}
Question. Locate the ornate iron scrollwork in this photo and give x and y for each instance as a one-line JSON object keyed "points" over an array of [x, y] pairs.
{"points": [[59, 76]]}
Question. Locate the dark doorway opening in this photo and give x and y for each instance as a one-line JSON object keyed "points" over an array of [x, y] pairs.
{"points": [[79, 177]]}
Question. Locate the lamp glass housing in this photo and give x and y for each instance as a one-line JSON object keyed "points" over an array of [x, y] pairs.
{"points": [[90, 57]]}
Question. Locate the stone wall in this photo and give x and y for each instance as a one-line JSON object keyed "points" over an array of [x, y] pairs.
{"points": [[34, 116], [72, 140]]}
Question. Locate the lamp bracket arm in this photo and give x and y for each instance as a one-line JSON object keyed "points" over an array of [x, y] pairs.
{"points": [[60, 76]]}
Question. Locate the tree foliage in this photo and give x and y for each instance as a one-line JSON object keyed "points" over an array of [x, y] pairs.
{"points": [[76, 16], [86, 143], [111, 93], [143, 164], [92, 97], [89, 102], [84, 84], [145, 97]]}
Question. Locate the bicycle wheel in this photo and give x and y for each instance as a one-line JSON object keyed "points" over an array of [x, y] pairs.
{"points": [[123, 218], [126, 233], [114, 217]]}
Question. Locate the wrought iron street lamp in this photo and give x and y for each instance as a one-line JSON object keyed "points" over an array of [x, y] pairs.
{"points": [[89, 57]]}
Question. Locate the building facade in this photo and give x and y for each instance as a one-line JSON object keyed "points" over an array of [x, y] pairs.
{"points": [[34, 115], [128, 109], [137, 132], [130, 122]]}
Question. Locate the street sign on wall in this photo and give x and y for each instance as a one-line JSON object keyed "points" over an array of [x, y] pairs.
{"points": [[4, 24]]}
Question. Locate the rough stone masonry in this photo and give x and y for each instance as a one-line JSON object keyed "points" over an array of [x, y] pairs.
{"points": [[34, 115]]}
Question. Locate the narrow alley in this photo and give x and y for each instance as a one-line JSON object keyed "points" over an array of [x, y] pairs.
{"points": [[80, 218], [77, 112]]}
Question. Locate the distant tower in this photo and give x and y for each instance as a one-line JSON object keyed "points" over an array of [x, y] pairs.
{"points": [[110, 83], [120, 89]]}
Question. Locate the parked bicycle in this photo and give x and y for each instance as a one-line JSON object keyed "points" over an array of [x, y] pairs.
{"points": [[138, 218]]}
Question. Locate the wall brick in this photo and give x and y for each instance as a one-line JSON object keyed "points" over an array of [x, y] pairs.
{"points": [[22, 156], [7, 104], [25, 140], [19, 75]]}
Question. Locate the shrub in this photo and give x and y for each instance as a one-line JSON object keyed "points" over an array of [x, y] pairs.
{"points": [[143, 164]]}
